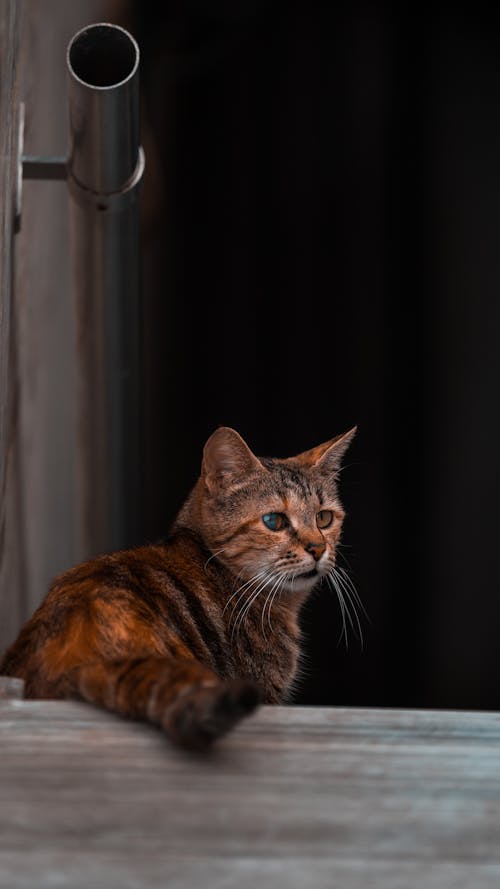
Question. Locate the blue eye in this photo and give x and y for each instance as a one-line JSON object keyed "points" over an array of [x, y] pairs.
{"points": [[275, 521]]}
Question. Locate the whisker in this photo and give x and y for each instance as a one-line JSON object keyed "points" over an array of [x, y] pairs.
{"points": [[217, 553], [339, 552], [341, 602], [260, 579], [245, 608], [275, 586], [352, 603], [341, 587], [243, 587], [353, 589], [249, 602], [340, 582], [279, 590]]}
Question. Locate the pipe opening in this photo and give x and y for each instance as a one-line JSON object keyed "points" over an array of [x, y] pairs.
{"points": [[103, 55]]}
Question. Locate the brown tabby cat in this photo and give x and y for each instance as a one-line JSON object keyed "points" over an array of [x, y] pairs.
{"points": [[192, 633]]}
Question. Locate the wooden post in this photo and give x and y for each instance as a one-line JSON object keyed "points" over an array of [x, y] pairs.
{"points": [[11, 536]]}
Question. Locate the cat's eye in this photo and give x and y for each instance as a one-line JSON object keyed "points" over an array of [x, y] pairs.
{"points": [[275, 521], [324, 518]]}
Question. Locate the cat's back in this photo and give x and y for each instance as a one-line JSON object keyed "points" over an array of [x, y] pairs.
{"points": [[132, 602]]}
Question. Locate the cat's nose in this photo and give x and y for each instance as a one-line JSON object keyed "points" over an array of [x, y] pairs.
{"points": [[315, 548]]}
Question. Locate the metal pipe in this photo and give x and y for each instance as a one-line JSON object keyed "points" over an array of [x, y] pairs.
{"points": [[105, 167]]}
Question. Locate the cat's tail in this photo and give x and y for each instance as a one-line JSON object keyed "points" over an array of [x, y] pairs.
{"points": [[187, 699]]}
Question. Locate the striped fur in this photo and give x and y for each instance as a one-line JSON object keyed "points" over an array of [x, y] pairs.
{"points": [[192, 633]]}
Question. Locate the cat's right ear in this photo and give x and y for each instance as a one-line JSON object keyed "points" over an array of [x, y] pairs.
{"points": [[227, 460]]}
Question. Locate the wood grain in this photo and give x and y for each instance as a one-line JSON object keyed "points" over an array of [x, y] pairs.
{"points": [[294, 797], [10, 687], [45, 323], [11, 538]]}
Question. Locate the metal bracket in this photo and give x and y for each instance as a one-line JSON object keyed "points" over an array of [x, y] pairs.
{"points": [[55, 168], [31, 166]]}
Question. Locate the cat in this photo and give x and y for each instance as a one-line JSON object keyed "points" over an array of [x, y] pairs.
{"points": [[194, 632]]}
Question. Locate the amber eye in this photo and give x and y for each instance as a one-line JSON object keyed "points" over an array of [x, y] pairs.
{"points": [[324, 518], [275, 521]]}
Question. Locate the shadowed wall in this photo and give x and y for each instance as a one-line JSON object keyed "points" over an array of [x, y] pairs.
{"points": [[321, 224]]}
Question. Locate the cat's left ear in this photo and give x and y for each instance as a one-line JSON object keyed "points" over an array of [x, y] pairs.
{"points": [[327, 457]]}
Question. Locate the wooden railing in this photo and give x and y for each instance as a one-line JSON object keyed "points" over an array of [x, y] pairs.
{"points": [[322, 798]]}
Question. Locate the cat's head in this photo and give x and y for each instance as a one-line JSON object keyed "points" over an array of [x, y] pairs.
{"points": [[272, 519]]}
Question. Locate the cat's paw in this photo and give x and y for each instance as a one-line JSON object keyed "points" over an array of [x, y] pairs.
{"points": [[203, 714]]}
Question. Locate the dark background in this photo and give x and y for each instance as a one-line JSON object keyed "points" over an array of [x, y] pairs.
{"points": [[321, 237]]}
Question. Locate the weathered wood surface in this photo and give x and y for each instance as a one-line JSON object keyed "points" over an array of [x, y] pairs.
{"points": [[11, 538], [45, 324], [10, 687], [294, 797], [37, 373]]}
